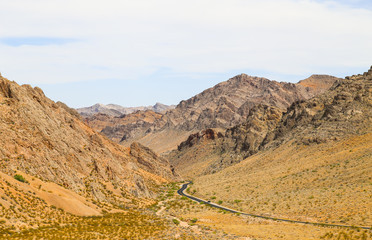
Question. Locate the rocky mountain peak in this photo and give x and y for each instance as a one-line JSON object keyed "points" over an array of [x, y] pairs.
{"points": [[228, 103]]}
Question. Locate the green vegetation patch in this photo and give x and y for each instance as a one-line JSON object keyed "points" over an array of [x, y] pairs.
{"points": [[20, 178]]}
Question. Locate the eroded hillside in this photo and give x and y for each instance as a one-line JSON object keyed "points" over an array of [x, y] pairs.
{"points": [[63, 162]]}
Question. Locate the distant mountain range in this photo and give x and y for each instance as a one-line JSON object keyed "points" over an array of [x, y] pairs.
{"points": [[115, 110]]}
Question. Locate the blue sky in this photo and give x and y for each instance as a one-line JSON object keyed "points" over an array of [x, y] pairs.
{"points": [[366, 4], [34, 41], [140, 52]]}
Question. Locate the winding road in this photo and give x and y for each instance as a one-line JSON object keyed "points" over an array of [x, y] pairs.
{"points": [[184, 187]]}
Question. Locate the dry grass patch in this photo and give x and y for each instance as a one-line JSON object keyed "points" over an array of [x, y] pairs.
{"points": [[330, 182]]}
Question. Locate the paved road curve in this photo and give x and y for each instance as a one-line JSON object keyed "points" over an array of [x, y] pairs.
{"points": [[184, 186]]}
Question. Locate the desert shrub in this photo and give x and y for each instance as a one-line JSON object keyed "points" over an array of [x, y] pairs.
{"points": [[175, 221], [20, 178]]}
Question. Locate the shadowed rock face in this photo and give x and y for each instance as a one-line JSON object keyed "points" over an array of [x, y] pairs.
{"points": [[49, 141], [345, 109], [208, 134], [247, 137], [222, 106]]}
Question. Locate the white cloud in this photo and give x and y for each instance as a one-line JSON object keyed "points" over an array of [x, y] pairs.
{"points": [[132, 39]]}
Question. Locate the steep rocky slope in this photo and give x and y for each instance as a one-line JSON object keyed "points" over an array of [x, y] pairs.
{"points": [[46, 142], [315, 165], [344, 109], [150, 161], [228, 103], [115, 110], [222, 106]]}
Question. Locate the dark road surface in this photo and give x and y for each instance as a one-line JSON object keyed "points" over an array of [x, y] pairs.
{"points": [[184, 186]]}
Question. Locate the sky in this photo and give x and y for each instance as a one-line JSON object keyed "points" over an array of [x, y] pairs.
{"points": [[135, 53]]}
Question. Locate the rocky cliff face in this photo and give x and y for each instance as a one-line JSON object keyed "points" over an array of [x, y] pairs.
{"points": [[196, 138], [245, 139], [342, 110], [48, 141]]}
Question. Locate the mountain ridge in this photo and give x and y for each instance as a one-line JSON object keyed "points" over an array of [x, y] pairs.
{"points": [[222, 106]]}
